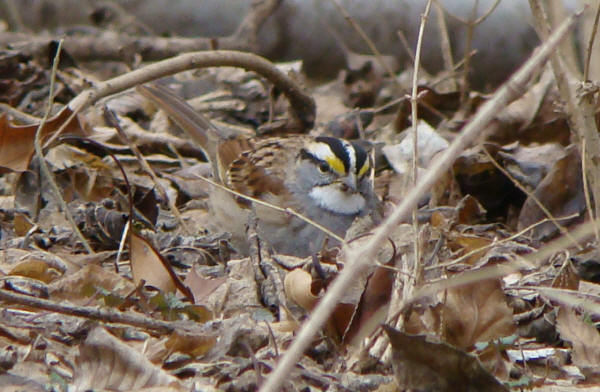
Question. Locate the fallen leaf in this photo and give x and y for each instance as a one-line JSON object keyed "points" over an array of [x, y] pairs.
{"points": [[35, 269], [191, 344], [297, 285], [560, 192], [584, 337], [423, 365], [16, 141], [475, 312], [147, 264], [200, 286], [105, 362]]}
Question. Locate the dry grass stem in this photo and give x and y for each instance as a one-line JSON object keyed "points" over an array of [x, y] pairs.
{"points": [[302, 105], [360, 258], [367, 40], [277, 208], [563, 230], [42, 161]]}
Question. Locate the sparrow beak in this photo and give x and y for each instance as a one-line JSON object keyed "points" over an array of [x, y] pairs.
{"points": [[348, 184]]}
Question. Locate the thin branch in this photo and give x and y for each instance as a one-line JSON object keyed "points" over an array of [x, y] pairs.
{"points": [[90, 312], [302, 105], [277, 208], [417, 265], [358, 258], [588, 53], [580, 107], [494, 243], [112, 120], [367, 40], [445, 40], [42, 161], [563, 230]]}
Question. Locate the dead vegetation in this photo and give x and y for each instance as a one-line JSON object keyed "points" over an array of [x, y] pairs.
{"points": [[114, 276]]}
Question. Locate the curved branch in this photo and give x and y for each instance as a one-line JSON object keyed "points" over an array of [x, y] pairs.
{"points": [[302, 105]]}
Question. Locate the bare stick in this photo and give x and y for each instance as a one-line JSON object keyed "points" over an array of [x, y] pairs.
{"points": [[588, 57], [417, 267], [368, 41], [89, 312], [360, 257], [302, 105], [42, 161], [277, 208], [580, 108], [110, 46]]}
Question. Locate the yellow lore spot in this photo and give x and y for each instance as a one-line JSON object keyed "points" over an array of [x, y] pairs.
{"points": [[364, 169], [336, 164]]}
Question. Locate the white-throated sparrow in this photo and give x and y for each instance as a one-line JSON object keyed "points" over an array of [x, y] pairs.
{"points": [[325, 179]]}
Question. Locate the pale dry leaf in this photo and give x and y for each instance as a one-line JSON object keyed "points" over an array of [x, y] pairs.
{"points": [[16, 141], [421, 364], [146, 265], [78, 286], [297, 285], [105, 362], [583, 336], [200, 286], [476, 312]]}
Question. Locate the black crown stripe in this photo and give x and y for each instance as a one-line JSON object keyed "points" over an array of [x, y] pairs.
{"points": [[338, 149], [361, 156]]}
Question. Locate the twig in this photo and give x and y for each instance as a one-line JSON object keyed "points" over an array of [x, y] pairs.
{"points": [[90, 312], [417, 267], [114, 47], [302, 105], [112, 120], [360, 258], [277, 208], [445, 40], [495, 243], [406, 46], [470, 24], [529, 194], [588, 53], [42, 161], [579, 106], [367, 40]]}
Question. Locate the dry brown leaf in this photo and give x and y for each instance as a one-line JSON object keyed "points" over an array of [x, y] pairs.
{"points": [[468, 244], [200, 286], [105, 362], [77, 287], [583, 336], [561, 193], [475, 312], [297, 285], [423, 365], [375, 298], [191, 344], [35, 269], [147, 265], [16, 141], [22, 224]]}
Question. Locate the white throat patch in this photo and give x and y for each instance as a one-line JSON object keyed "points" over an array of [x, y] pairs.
{"points": [[330, 198]]}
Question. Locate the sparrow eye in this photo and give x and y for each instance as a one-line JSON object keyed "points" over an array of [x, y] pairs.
{"points": [[323, 167]]}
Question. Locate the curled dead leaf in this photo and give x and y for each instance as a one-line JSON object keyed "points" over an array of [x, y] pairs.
{"points": [[421, 364], [105, 362], [16, 141], [297, 285], [148, 264]]}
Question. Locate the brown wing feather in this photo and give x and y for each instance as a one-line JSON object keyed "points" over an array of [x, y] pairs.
{"points": [[262, 170]]}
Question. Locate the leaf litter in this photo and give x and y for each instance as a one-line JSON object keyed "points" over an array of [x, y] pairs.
{"points": [[229, 318]]}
